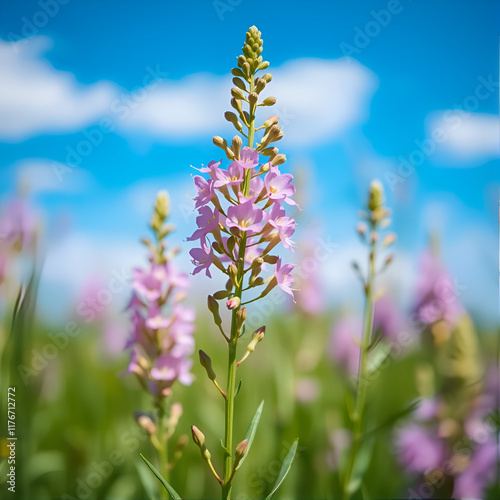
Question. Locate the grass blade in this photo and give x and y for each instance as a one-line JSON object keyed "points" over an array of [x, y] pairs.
{"points": [[285, 467], [173, 494], [252, 429]]}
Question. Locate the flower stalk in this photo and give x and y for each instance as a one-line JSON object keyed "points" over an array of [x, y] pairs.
{"points": [[246, 223], [376, 217]]}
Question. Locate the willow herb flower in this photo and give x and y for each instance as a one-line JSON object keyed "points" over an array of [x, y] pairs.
{"points": [[161, 342], [241, 220]]}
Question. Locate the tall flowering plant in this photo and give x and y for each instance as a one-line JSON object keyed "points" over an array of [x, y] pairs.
{"points": [[371, 350], [242, 219], [161, 343]]}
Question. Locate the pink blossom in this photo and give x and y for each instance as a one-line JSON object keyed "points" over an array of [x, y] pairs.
{"points": [[207, 222], [283, 276], [202, 259], [148, 283], [436, 294], [279, 187], [168, 368], [419, 448], [246, 217], [248, 158], [155, 318], [233, 176], [211, 168], [284, 225], [205, 190], [344, 347]]}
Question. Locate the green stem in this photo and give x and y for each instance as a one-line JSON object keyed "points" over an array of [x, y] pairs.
{"points": [[163, 450], [362, 386], [233, 339]]}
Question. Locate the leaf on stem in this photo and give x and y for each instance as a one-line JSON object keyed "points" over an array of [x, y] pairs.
{"points": [[238, 387], [252, 429], [173, 494], [361, 464], [285, 467]]}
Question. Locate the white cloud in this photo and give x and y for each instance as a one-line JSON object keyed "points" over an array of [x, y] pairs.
{"points": [[36, 99], [470, 138], [317, 99], [38, 175]]}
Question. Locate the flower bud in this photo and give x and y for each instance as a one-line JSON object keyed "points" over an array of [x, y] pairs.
{"points": [[237, 93], [267, 77], [278, 159], [229, 285], [233, 303], [361, 229], [221, 294], [236, 145], [240, 452], [239, 83], [376, 198], [374, 237], [232, 270], [389, 239], [213, 307], [271, 121], [260, 86], [257, 336], [269, 101], [253, 98], [162, 205], [237, 72], [219, 142], [206, 362], [241, 316], [263, 65], [265, 167], [230, 117], [198, 436], [147, 424], [271, 259], [236, 104]]}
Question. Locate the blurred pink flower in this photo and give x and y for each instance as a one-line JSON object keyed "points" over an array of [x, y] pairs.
{"points": [[387, 318], [344, 347], [435, 291]]}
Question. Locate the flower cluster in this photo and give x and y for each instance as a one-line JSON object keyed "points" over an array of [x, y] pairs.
{"points": [[162, 327], [246, 219]]}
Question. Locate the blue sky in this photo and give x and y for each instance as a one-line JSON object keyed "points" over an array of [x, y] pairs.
{"points": [[416, 68]]}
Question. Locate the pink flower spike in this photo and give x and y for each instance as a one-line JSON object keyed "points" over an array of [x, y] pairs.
{"points": [[207, 222], [283, 276], [202, 259], [249, 158], [155, 319], [233, 176], [246, 216], [205, 190], [147, 284]]}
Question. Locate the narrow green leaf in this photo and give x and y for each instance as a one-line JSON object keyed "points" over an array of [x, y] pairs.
{"points": [[145, 478], [285, 467], [173, 494], [252, 429], [361, 464], [238, 387]]}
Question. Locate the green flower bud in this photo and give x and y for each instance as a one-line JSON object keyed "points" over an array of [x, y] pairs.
{"points": [[270, 152], [221, 294], [253, 98], [267, 77], [241, 317], [240, 452], [376, 198], [232, 271], [213, 307], [237, 93], [269, 101], [260, 86], [236, 147], [278, 159], [239, 83], [237, 72], [263, 65], [206, 362], [198, 436], [162, 205]]}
